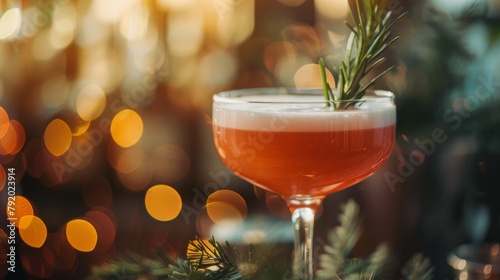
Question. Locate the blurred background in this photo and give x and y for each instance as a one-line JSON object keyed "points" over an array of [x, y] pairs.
{"points": [[105, 126]]}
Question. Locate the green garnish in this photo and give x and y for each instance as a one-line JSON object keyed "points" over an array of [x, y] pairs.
{"points": [[369, 38], [327, 90]]}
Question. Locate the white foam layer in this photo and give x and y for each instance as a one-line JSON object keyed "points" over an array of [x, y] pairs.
{"points": [[299, 116]]}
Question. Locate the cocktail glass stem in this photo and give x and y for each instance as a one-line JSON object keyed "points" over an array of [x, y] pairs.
{"points": [[303, 221], [303, 211]]}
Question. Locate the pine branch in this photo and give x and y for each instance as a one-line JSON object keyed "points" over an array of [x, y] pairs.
{"points": [[418, 268], [130, 266], [335, 262], [208, 259]]}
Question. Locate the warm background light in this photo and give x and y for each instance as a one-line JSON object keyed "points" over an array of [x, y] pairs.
{"points": [[105, 226], [8, 140], [57, 137], [22, 207], [10, 23], [32, 230], [126, 128], [130, 160], [163, 202], [292, 3], [81, 234], [139, 178], [309, 76], [3, 178], [226, 206], [4, 122], [20, 137], [332, 10], [90, 102], [12, 141]]}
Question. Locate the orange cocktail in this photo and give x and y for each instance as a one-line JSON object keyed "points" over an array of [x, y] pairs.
{"points": [[295, 144], [314, 163]]}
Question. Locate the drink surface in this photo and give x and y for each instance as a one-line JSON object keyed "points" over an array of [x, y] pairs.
{"points": [[303, 148]]}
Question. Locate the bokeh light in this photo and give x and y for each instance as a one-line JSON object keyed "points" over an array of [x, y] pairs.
{"points": [[32, 230], [21, 207], [224, 213], [80, 128], [112, 10], [332, 10], [138, 179], [235, 21], [105, 227], [203, 224], [10, 23], [130, 160], [134, 22], [163, 202], [126, 128], [309, 76], [57, 137], [20, 136], [90, 102], [226, 206], [292, 3], [275, 51], [63, 28], [174, 5], [81, 234], [193, 253], [13, 140], [4, 122], [3, 178], [185, 33], [225, 61]]}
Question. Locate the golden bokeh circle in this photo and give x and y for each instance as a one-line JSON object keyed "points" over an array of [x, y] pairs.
{"points": [[57, 137], [126, 128], [309, 76], [163, 202], [33, 231], [81, 235], [226, 206]]}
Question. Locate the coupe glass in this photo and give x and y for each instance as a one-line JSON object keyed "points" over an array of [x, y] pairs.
{"points": [[294, 143]]}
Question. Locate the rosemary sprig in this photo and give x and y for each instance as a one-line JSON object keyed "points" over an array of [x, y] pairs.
{"points": [[327, 90], [370, 37]]}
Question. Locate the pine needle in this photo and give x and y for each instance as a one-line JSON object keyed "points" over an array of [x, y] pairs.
{"points": [[335, 262], [418, 268]]}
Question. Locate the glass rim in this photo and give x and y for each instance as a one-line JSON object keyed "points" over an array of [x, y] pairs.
{"points": [[228, 96]]}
